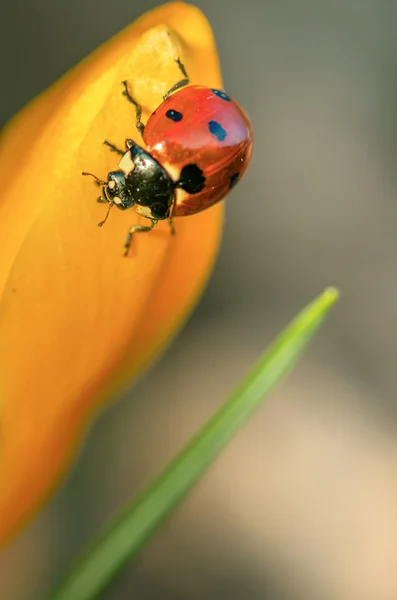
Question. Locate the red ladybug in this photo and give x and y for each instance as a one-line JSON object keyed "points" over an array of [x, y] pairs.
{"points": [[198, 145]]}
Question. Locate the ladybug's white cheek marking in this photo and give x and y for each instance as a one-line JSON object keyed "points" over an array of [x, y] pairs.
{"points": [[144, 211], [116, 200], [111, 185], [126, 164]]}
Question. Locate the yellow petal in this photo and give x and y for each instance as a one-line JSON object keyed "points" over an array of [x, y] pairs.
{"points": [[77, 319]]}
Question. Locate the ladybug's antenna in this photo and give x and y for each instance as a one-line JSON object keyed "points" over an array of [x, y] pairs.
{"points": [[107, 214], [98, 181]]}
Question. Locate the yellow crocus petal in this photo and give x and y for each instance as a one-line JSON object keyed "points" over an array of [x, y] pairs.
{"points": [[77, 319]]}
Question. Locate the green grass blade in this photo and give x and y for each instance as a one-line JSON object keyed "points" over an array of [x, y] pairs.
{"points": [[127, 535]]}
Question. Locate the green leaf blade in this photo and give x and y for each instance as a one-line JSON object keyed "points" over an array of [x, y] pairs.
{"points": [[128, 534]]}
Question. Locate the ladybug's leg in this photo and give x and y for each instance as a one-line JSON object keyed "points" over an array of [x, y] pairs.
{"points": [[170, 219], [171, 223], [137, 229], [181, 83], [138, 108], [114, 148]]}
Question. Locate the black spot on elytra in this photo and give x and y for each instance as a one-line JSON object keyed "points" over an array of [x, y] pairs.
{"points": [[191, 179], [233, 180], [174, 115], [221, 94], [217, 130]]}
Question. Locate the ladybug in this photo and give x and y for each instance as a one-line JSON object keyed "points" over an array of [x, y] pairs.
{"points": [[198, 143]]}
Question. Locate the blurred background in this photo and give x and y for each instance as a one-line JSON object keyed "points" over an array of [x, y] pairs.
{"points": [[303, 504]]}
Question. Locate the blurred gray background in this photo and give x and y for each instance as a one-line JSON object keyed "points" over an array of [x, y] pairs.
{"points": [[303, 503]]}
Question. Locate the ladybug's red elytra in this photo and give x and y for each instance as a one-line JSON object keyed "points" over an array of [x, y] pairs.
{"points": [[198, 143]]}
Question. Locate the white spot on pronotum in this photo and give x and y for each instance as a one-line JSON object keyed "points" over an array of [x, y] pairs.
{"points": [[126, 164], [144, 211], [173, 171], [116, 200], [111, 185], [181, 196]]}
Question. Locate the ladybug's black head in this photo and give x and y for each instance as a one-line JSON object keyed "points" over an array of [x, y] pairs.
{"points": [[115, 191]]}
